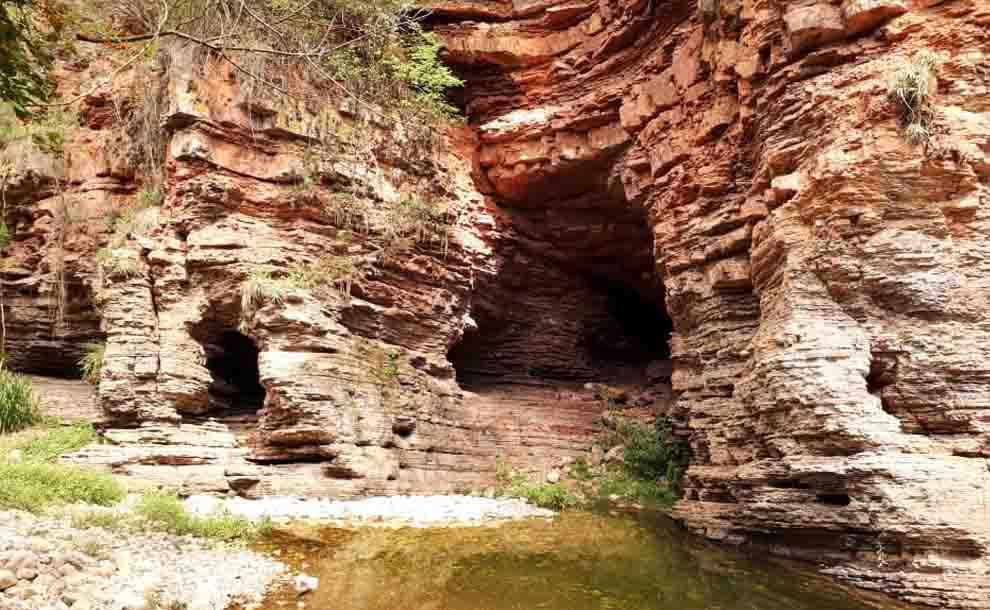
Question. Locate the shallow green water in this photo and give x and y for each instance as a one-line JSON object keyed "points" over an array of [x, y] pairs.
{"points": [[578, 561]]}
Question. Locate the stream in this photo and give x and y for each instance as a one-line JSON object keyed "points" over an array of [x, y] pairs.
{"points": [[577, 561]]}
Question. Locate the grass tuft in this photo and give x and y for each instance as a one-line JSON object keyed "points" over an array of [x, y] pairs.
{"points": [[58, 439], [911, 86], [261, 286], [91, 362], [165, 512], [35, 487], [18, 405]]}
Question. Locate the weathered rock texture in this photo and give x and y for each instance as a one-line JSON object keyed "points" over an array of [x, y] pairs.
{"points": [[359, 395], [739, 165], [827, 281]]}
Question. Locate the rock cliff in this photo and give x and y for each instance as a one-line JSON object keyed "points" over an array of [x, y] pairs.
{"points": [[734, 173], [827, 279]]}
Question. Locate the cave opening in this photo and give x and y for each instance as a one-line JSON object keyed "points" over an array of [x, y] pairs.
{"points": [[602, 330], [644, 326], [232, 359]]}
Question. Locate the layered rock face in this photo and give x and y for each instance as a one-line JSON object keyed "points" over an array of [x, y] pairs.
{"points": [[734, 170], [827, 280], [438, 356]]}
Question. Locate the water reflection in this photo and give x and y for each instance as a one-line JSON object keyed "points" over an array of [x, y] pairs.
{"points": [[578, 561]]}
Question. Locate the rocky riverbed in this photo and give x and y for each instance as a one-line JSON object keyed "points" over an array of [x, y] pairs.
{"points": [[47, 564], [413, 511]]}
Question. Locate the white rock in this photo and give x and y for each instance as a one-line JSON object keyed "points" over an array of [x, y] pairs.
{"points": [[7, 580], [131, 601], [305, 584]]}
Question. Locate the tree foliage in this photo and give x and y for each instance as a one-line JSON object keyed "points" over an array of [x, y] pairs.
{"points": [[28, 31], [374, 52]]}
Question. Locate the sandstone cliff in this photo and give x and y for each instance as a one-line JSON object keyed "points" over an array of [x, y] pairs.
{"points": [[735, 169]]}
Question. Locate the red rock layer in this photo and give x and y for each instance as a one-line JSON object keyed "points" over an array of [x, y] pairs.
{"points": [[826, 279], [739, 165]]}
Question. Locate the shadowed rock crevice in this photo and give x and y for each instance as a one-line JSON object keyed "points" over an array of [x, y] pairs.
{"points": [[232, 359]]}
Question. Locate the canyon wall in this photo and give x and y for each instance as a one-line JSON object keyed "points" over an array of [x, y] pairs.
{"points": [[738, 168], [827, 279]]}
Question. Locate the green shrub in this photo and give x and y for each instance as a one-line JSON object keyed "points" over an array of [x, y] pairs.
{"points": [[652, 453], [554, 496], [417, 221], [91, 362], [653, 462], [511, 484], [121, 262], [5, 236], [618, 482], [19, 407], [339, 272], [580, 470], [427, 76], [35, 487]]}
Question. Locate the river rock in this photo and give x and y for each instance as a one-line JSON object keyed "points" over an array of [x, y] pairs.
{"points": [[7, 579], [305, 584]]}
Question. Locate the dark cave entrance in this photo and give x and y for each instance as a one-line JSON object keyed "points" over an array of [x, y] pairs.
{"points": [[601, 330], [644, 326], [232, 359]]}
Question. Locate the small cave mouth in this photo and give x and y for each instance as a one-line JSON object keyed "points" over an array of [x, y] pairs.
{"points": [[232, 359], [833, 499]]}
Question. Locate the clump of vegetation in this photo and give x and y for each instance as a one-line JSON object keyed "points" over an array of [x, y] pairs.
{"points": [[417, 221], [349, 212], [117, 262], [91, 362], [338, 272], [29, 30], [262, 286], [148, 197], [5, 236], [47, 132], [383, 366], [162, 512], [428, 78], [374, 52], [57, 438], [37, 486], [555, 496], [911, 87], [653, 461], [136, 219], [165, 512], [18, 405]]}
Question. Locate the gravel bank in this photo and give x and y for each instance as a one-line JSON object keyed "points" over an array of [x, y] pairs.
{"points": [[416, 511], [46, 564]]}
